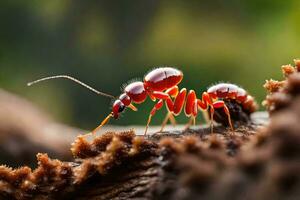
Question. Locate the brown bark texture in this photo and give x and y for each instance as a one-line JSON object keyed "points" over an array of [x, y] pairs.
{"points": [[260, 159]]}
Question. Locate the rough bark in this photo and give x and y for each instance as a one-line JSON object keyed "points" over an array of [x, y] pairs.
{"points": [[255, 161]]}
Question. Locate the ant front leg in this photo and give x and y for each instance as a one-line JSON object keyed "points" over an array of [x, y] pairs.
{"points": [[173, 107], [169, 116], [105, 121], [172, 92], [156, 107], [221, 104], [164, 123]]}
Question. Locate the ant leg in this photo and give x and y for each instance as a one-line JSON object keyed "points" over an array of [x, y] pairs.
{"points": [[178, 103], [170, 117], [105, 121], [212, 112], [192, 121], [221, 104], [226, 110], [156, 107], [174, 107], [173, 92], [164, 123], [205, 116], [207, 103], [132, 107], [191, 108]]}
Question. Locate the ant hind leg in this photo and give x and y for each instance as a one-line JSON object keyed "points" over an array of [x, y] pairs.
{"points": [[212, 112], [226, 110], [205, 115], [221, 104]]}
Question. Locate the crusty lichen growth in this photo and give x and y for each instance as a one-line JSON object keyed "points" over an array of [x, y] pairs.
{"points": [[280, 91], [99, 156], [49, 175], [273, 85], [107, 151]]}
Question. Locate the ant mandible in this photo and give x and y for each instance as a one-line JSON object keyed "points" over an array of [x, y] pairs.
{"points": [[161, 85]]}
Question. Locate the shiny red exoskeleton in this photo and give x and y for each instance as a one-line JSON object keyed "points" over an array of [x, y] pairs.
{"points": [[161, 85], [233, 92]]}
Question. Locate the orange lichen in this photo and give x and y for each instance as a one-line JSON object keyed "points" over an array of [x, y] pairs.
{"points": [[280, 91], [288, 70], [273, 86]]}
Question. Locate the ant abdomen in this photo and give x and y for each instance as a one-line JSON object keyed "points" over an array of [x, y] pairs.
{"points": [[238, 101]]}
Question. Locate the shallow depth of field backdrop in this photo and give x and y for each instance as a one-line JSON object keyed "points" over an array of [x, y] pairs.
{"points": [[108, 43]]}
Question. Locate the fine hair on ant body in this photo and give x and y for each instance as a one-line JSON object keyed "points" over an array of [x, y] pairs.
{"points": [[161, 85]]}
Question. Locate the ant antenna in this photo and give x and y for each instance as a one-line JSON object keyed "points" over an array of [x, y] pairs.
{"points": [[72, 79]]}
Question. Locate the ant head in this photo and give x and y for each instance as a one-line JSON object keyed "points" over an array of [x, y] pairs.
{"points": [[117, 108], [120, 105]]}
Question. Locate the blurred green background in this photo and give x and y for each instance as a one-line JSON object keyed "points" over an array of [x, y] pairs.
{"points": [[108, 43]]}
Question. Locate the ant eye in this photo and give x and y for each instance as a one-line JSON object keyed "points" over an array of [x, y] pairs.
{"points": [[121, 108]]}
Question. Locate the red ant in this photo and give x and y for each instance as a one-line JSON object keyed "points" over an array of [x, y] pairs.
{"points": [[160, 85]]}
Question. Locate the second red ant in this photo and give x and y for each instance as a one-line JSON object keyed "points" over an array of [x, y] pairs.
{"points": [[161, 85]]}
